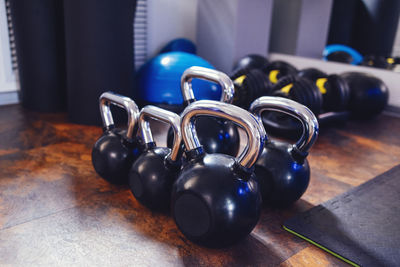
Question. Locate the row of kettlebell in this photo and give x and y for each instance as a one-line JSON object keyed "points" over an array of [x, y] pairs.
{"points": [[215, 199]]}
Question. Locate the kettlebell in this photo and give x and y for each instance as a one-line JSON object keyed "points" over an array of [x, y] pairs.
{"points": [[153, 173], [216, 199], [116, 150], [216, 135], [282, 169]]}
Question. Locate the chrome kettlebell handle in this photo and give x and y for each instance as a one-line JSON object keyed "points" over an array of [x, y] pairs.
{"points": [[211, 75], [294, 109], [163, 115], [124, 102], [255, 132]]}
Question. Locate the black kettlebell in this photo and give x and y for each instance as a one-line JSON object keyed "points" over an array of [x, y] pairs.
{"points": [[153, 173], [216, 135], [216, 199], [116, 150], [282, 169]]}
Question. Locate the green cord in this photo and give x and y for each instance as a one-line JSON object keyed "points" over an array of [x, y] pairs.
{"points": [[321, 247]]}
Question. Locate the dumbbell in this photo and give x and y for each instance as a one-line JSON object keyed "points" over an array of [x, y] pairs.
{"points": [[333, 99], [250, 86], [278, 69], [334, 89], [254, 76], [248, 63], [364, 95], [258, 80], [299, 89], [369, 95]]}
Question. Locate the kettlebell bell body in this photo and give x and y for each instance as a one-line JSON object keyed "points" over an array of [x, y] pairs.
{"points": [[282, 178], [153, 173], [282, 169], [216, 199], [216, 221], [116, 150]]}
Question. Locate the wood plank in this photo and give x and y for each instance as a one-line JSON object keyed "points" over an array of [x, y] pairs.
{"points": [[116, 229], [312, 256]]}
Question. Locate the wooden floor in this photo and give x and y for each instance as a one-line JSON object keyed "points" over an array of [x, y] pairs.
{"points": [[55, 210]]}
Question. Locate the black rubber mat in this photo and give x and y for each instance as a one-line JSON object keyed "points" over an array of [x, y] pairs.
{"points": [[361, 227]]}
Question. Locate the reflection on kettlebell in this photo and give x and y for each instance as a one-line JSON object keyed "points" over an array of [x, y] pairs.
{"points": [[216, 199], [153, 173], [216, 135], [115, 151], [282, 169]]}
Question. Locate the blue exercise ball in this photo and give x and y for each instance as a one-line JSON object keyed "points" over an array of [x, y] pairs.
{"points": [[181, 45], [158, 80]]}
